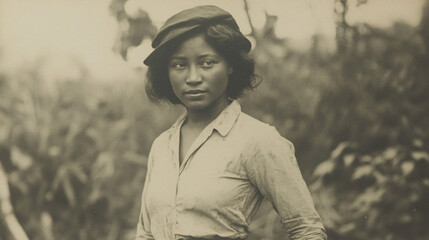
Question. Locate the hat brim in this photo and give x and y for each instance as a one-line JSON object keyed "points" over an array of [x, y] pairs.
{"points": [[160, 49]]}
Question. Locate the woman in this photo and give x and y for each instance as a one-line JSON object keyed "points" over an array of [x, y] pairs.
{"points": [[208, 173]]}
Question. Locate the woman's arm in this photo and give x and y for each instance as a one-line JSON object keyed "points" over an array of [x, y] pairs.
{"points": [[272, 167]]}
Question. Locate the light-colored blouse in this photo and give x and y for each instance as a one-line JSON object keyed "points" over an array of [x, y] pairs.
{"points": [[234, 163]]}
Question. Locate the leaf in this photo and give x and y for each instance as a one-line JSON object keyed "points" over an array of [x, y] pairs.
{"points": [[407, 167], [4, 187], [20, 159], [360, 2], [406, 218], [365, 201], [104, 166], [349, 159], [68, 190], [135, 158], [362, 171], [78, 173], [63, 178], [345, 228], [341, 148], [324, 168], [365, 159], [61, 172], [420, 155], [380, 178], [418, 143], [46, 222], [54, 151], [390, 153]]}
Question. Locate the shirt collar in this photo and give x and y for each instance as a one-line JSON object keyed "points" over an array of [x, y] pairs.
{"points": [[222, 123], [226, 119]]}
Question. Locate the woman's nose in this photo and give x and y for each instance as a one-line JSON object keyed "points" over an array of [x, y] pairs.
{"points": [[194, 76]]}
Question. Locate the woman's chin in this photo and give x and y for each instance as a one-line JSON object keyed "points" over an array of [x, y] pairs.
{"points": [[196, 105]]}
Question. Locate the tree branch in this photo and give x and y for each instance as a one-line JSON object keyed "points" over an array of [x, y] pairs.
{"points": [[246, 9]]}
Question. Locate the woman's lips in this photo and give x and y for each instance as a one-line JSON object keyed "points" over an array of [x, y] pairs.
{"points": [[195, 93]]}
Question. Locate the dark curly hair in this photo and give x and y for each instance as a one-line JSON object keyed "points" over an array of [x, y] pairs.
{"points": [[228, 42]]}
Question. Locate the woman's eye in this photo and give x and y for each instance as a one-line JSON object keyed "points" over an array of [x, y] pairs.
{"points": [[207, 63], [178, 65]]}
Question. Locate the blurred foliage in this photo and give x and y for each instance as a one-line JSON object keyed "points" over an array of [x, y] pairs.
{"points": [[75, 149], [75, 154], [378, 195], [375, 183], [133, 27]]}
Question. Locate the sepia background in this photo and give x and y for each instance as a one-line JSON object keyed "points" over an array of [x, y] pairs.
{"points": [[346, 81]]}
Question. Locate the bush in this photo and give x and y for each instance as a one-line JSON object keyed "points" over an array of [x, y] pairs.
{"points": [[378, 195]]}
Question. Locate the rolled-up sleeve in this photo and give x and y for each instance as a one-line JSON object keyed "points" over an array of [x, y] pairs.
{"points": [[273, 169], [143, 226]]}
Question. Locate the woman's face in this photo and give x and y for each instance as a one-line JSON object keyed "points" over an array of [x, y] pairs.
{"points": [[199, 75]]}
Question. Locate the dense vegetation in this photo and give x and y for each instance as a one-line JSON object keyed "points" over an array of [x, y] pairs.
{"points": [[74, 151]]}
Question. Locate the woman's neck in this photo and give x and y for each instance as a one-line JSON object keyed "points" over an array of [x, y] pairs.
{"points": [[204, 117]]}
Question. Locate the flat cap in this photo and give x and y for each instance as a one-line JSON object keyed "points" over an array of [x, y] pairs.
{"points": [[188, 20]]}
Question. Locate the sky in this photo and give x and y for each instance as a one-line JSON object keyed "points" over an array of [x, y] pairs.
{"points": [[66, 32]]}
